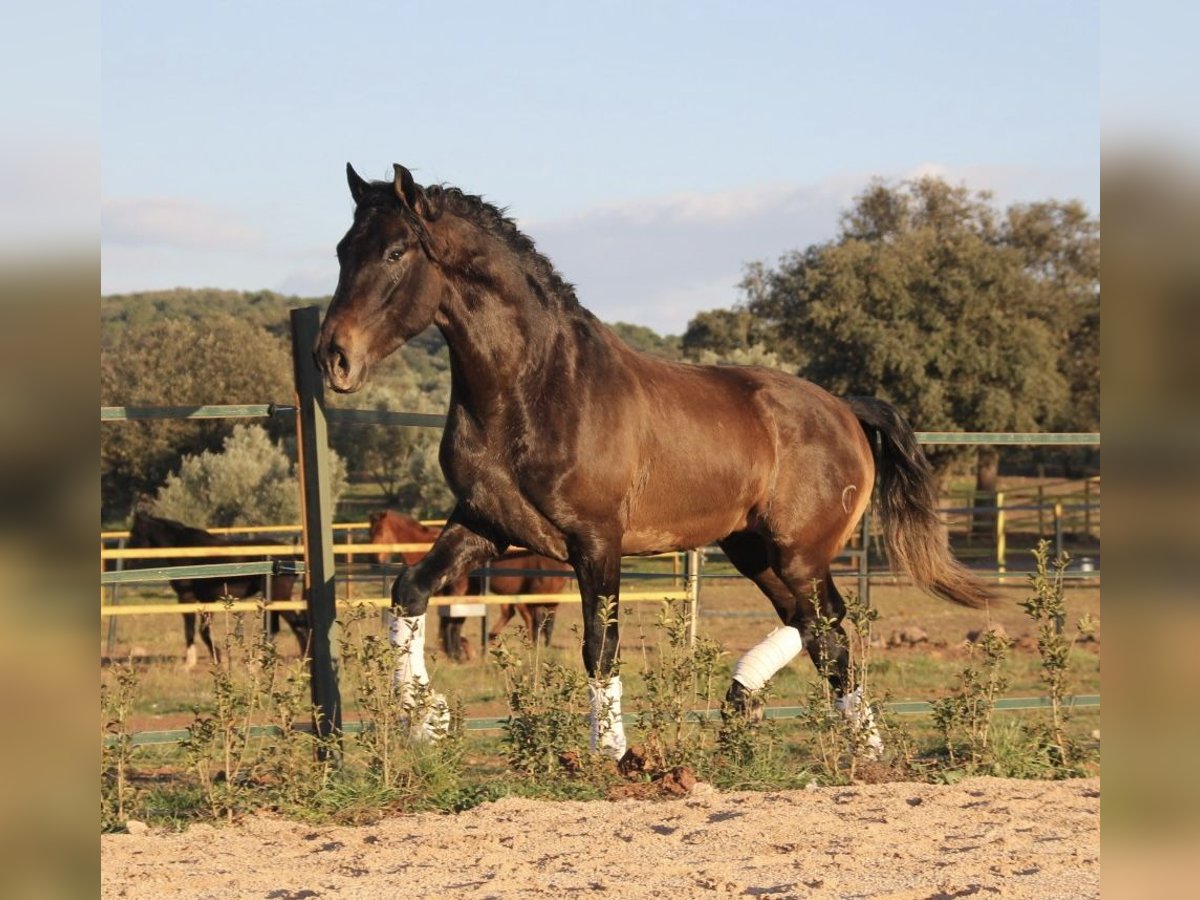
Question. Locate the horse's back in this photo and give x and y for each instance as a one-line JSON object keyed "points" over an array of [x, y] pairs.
{"points": [[729, 448]]}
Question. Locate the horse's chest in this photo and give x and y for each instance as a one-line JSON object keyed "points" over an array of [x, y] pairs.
{"points": [[494, 481]]}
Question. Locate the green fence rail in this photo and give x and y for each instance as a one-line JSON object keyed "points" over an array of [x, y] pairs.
{"points": [[495, 723], [434, 420], [204, 570]]}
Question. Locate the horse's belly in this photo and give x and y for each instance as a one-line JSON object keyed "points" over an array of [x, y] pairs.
{"points": [[696, 528]]}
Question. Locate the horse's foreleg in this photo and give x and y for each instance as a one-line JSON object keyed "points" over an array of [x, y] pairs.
{"points": [[189, 640], [456, 551], [599, 573]]}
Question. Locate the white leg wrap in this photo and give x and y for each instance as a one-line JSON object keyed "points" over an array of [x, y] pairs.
{"points": [[763, 660], [608, 731], [408, 634], [432, 714], [852, 707]]}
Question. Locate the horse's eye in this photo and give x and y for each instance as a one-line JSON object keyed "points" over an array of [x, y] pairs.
{"points": [[395, 254]]}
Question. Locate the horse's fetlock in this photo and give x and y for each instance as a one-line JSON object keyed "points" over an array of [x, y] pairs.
{"points": [[745, 702], [409, 599]]}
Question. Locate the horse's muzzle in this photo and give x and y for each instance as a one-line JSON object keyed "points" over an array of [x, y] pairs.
{"points": [[340, 372]]}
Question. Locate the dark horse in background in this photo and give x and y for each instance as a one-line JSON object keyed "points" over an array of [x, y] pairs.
{"points": [[524, 576], [153, 531], [562, 439]]}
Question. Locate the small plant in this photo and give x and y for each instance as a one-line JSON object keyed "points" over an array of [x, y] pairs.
{"points": [[290, 764], [402, 729], [844, 733], [218, 749], [1048, 610], [117, 695], [968, 711], [546, 702], [681, 675]]}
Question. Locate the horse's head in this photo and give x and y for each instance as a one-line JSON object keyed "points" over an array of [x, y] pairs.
{"points": [[389, 286], [145, 530], [380, 533]]}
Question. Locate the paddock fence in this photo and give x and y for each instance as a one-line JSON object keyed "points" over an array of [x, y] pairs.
{"points": [[312, 554]]}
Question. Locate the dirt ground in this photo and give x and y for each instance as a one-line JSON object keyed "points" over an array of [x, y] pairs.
{"points": [[981, 837]]}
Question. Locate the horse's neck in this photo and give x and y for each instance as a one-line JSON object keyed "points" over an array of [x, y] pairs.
{"points": [[501, 330]]}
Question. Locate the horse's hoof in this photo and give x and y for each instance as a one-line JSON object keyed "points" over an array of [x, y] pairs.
{"points": [[745, 702]]}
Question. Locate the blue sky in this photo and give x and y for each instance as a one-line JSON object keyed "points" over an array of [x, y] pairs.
{"points": [[651, 149]]}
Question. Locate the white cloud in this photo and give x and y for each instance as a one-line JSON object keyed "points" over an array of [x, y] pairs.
{"points": [[654, 262], [659, 261], [170, 222]]}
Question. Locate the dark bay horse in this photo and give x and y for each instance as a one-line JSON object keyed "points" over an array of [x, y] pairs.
{"points": [[562, 439], [154, 531], [393, 527]]}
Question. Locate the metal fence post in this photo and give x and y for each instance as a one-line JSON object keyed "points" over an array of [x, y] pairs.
{"points": [[313, 448], [864, 559], [112, 598], [691, 576], [1001, 538]]}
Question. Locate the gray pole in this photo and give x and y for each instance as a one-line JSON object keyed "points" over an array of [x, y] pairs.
{"points": [[313, 447]]}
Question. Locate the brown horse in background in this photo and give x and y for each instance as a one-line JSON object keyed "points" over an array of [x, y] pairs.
{"points": [[524, 577], [561, 438]]}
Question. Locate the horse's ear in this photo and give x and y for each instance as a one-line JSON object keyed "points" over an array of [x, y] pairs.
{"points": [[410, 193], [358, 187]]}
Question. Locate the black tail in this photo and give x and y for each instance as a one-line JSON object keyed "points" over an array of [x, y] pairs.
{"points": [[916, 540]]}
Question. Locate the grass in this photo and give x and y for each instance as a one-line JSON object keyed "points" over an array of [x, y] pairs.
{"points": [[663, 676]]}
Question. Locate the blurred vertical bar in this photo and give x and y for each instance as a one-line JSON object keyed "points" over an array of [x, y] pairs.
{"points": [[313, 447]]}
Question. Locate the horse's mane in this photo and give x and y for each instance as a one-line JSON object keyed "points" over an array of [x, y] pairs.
{"points": [[196, 535], [493, 220]]}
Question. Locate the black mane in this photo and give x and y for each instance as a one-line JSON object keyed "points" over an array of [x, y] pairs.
{"points": [[494, 221]]}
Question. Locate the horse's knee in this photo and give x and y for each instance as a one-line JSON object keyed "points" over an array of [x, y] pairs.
{"points": [[409, 598]]}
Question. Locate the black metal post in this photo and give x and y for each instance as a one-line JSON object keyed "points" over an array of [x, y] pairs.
{"points": [[864, 560], [313, 447]]}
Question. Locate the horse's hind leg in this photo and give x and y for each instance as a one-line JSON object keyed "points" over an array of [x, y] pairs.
{"points": [[753, 556], [504, 617], [206, 636], [828, 646], [543, 621], [298, 623]]}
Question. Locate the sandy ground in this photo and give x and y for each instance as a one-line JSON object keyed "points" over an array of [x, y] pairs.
{"points": [[981, 837]]}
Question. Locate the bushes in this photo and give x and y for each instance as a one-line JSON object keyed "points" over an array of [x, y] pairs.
{"points": [[250, 482]]}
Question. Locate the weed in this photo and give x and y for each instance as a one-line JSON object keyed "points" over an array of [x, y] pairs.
{"points": [[681, 674], [546, 702], [117, 696], [843, 731], [968, 711], [1047, 608]]}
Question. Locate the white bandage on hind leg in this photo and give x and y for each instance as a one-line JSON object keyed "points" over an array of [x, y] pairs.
{"points": [[852, 707], [608, 731], [763, 660]]}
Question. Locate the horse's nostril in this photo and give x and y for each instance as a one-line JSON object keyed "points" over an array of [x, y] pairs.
{"points": [[339, 363]]}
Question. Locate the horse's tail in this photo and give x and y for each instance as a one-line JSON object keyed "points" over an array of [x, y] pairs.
{"points": [[916, 540]]}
